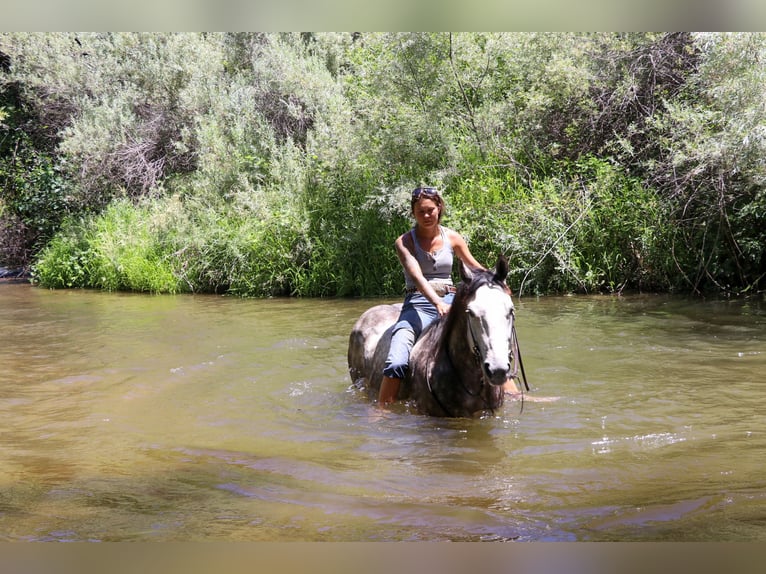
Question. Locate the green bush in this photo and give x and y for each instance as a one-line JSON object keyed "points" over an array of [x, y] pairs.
{"points": [[120, 249], [165, 246], [34, 200], [64, 262], [279, 164]]}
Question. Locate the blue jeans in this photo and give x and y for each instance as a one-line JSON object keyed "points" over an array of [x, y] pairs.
{"points": [[417, 314]]}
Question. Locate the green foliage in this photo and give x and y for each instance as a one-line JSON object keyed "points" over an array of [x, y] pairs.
{"points": [[352, 224], [121, 249], [267, 164], [33, 193], [713, 173], [33, 196], [64, 261], [616, 243], [166, 246], [592, 230]]}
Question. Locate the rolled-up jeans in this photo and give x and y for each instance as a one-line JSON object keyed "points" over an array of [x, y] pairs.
{"points": [[417, 313]]}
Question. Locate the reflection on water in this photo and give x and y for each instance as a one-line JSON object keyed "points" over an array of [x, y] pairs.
{"points": [[132, 417]]}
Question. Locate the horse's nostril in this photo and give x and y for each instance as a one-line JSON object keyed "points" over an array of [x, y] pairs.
{"points": [[498, 375], [489, 369]]}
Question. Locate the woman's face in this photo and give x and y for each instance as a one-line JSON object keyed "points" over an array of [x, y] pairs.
{"points": [[426, 212]]}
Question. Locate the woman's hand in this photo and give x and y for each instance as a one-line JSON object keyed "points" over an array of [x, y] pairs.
{"points": [[442, 308]]}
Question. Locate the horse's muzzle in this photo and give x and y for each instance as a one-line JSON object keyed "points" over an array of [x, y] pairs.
{"points": [[497, 376]]}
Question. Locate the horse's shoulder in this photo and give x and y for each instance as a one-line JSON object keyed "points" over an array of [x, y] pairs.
{"points": [[428, 341]]}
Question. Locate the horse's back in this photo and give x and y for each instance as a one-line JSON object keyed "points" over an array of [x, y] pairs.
{"points": [[368, 345]]}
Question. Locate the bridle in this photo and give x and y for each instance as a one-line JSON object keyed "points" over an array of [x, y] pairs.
{"points": [[514, 356]]}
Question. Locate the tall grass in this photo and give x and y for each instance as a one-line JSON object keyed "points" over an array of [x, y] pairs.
{"points": [[169, 246], [592, 230], [328, 246], [124, 248]]}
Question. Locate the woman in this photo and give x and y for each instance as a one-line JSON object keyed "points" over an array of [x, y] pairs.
{"points": [[426, 253]]}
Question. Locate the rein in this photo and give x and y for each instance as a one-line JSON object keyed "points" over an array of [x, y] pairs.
{"points": [[433, 392], [517, 352]]}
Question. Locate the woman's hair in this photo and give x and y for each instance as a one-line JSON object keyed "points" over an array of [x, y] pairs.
{"points": [[428, 193]]}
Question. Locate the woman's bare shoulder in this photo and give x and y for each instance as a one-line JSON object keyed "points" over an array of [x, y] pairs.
{"points": [[404, 241], [453, 235]]}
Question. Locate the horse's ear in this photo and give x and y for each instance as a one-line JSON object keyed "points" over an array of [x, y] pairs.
{"points": [[465, 273], [501, 268]]}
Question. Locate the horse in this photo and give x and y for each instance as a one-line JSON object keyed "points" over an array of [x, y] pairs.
{"points": [[460, 362]]}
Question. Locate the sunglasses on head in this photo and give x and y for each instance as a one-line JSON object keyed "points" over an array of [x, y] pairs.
{"points": [[425, 192]]}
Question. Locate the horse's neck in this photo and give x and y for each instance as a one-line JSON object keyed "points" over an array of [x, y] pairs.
{"points": [[460, 350]]}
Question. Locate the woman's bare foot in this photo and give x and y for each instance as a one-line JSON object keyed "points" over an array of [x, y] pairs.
{"points": [[512, 391]]}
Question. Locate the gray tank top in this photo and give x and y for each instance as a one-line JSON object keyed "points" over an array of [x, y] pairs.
{"points": [[435, 267]]}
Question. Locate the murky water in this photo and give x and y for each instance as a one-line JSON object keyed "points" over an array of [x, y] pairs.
{"points": [[141, 418]]}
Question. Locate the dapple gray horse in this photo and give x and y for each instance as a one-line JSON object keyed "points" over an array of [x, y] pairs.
{"points": [[460, 362]]}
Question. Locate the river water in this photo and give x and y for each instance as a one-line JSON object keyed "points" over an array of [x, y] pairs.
{"points": [[127, 417]]}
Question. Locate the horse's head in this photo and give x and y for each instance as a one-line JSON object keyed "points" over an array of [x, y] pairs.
{"points": [[489, 310]]}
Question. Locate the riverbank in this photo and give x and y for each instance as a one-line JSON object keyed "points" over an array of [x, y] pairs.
{"points": [[14, 275]]}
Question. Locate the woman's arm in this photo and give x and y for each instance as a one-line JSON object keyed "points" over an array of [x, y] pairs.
{"points": [[460, 247]]}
